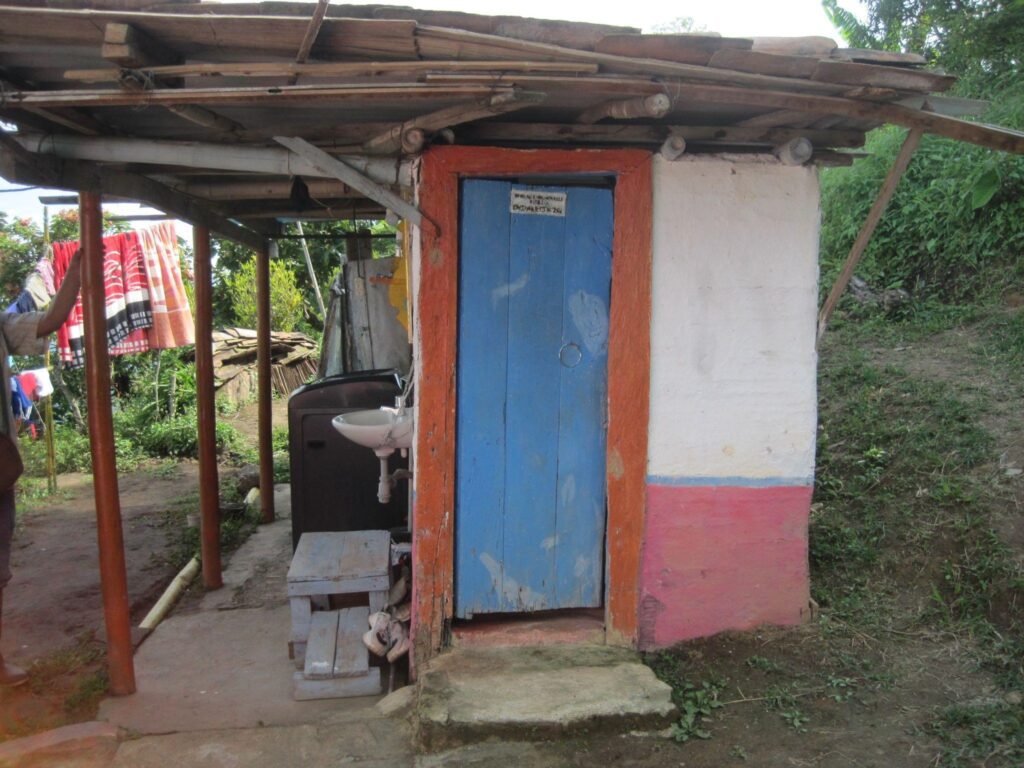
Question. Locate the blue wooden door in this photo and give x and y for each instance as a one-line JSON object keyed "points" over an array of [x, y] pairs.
{"points": [[534, 287]]}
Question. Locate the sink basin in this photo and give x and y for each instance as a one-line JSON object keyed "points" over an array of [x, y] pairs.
{"points": [[383, 430]]}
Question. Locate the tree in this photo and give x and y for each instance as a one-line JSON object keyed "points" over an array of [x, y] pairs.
{"points": [[982, 41], [327, 241]]}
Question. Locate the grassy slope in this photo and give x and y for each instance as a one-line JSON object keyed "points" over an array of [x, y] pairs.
{"points": [[919, 648]]}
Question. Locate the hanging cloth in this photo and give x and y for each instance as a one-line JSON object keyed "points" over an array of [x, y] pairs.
{"points": [[138, 307], [123, 282], [69, 335], [173, 325]]}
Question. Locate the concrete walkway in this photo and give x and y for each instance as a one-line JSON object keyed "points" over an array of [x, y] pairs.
{"points": [[215, 689], [215, 683]]}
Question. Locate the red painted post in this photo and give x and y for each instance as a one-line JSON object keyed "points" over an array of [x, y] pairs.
{"points": [[209, 493], [263, 390], [113, 579]]}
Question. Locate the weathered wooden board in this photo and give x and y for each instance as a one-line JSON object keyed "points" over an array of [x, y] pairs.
{"points": [[686, 49], [878, 57], [379, 341], [763, 63], [321, 646], [877, 75], [302, 615], [795, 46], [185, 33], [338, 687], [351, 658], [337, 557]]}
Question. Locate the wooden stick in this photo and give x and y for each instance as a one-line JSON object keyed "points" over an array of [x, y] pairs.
{"points": [[310, 37], [333, 167], [899, 165], [332, 69], [193, 114], [249, 95]]}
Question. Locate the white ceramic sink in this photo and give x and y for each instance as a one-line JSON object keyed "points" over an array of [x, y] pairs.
{"points": [[383, 430]]}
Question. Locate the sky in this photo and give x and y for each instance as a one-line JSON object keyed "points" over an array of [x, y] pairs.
{"points": [[731, 18]]}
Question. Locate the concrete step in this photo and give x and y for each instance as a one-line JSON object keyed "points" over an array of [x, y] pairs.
{"points": [[472, 694]]}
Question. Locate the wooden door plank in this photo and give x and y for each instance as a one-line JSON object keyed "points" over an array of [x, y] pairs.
{"points": [[485, 289], [320, 648], [583, 401], [531, 461], [351, 658]]}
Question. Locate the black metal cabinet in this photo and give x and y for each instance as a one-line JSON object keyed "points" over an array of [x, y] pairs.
{"points": [[334, 481]]}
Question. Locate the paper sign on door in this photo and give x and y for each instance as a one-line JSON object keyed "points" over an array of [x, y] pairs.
{"points": [[538, 203]]}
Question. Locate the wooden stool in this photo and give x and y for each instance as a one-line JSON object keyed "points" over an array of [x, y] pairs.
{"points": [[328, 644]]}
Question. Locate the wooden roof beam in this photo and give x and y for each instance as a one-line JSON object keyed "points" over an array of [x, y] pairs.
{"points": [[613, 133], [73, 119], [339, 69], [131, 48], [247, 95], [131, 82], [207, 158], [270, 189], [409, 136], [21, 166], [653, 106]]}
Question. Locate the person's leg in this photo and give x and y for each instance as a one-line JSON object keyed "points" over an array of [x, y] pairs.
{"points": [[9, 674]]}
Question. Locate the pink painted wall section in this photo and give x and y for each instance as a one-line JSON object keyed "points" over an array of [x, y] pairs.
{"points": [[722, 557]]}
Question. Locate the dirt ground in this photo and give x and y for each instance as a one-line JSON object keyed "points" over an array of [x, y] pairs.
{"points": [[53, 616]]}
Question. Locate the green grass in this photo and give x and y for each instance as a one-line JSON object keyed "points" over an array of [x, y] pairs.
{"points": [[904, 501]]}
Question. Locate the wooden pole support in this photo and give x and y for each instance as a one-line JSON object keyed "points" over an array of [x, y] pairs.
{"points": [[206, 414], [413, 140], [113, 578], [899, 165], [655, 105], [263, 383]]}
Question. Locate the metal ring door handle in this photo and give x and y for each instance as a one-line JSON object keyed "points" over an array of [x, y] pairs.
{"points": [[570, 355]]}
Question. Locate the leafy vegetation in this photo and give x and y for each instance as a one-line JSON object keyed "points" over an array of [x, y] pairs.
{"points": [[285, 299]]}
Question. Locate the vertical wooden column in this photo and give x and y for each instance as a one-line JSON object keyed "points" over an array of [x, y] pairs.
{"points": [[209, 486], [263, 392], [113, 579]]}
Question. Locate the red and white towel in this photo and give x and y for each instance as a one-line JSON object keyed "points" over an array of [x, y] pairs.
{"points": [[146, 304]]}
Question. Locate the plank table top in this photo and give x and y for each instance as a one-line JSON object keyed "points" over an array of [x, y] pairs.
{"points": [[340, 556]]}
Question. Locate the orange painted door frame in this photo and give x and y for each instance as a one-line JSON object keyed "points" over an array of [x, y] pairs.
{"points": [[629, 372]]}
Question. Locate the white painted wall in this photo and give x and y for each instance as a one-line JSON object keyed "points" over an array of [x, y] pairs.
{"points": [[734, 303]]}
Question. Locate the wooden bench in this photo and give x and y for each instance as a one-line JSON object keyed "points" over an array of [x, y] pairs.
{"points": [[327, 644]]}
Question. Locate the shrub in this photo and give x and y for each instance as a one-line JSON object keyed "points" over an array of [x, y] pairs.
{"points": [[285, 297], [954, 230]]}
